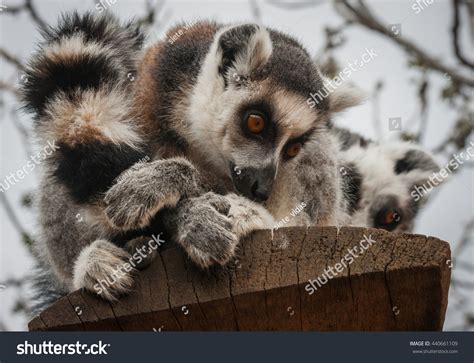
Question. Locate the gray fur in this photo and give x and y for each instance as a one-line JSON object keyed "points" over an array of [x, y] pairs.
{"points": [[45, 288], [148, 187], [141, 244], [204, 229], [104, 269]]}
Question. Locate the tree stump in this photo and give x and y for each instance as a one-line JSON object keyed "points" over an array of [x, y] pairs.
{"points": [[400, 282]]}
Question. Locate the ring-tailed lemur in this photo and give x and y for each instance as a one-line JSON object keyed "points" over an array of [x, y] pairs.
{"points": [[380, 179], [222, 109]]}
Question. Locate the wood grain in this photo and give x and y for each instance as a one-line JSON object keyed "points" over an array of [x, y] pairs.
{"points": [[400, 282]]}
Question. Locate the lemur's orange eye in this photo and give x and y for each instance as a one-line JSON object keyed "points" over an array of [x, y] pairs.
{"points": [[294, 149], [255, 123], [391, 217], [387, 218]]}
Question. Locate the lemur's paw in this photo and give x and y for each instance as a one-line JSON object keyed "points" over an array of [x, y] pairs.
{"points": [[131, 203], [205, 230], [104, 269], [144, 189], [248, 216], [141, 251]]}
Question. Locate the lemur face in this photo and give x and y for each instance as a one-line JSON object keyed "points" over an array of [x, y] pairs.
{"points": [[261, 137], [381, 179], [251, 97]]}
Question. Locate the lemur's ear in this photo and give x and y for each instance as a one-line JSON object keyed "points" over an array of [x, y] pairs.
{"points": [[416, 160], [244, 48], [344, 95], [415, 166]]}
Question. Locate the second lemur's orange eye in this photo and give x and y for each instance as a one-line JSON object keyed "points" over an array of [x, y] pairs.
{"points": [[388, 218], [294, 149], [255, 123], [392, 217]]}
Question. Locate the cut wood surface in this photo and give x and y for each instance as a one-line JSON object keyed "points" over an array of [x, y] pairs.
{"points": [[400, 282]]}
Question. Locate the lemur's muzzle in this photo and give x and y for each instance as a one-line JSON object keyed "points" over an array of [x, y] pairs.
{"points": [[254, 183]]}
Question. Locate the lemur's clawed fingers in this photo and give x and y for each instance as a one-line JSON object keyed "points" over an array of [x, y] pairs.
{"points": [[219, 248], [248, 216], [104, 269], [204, 229], [220, 203], [145, 189], [134, 210], [210, 226]]}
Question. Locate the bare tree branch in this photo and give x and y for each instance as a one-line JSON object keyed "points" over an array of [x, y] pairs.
{"points": [[455, 32], [13, 9], [4, 86], [294, 5], [465, 238], [30, 8], [15, 282], [12, 216], [11, 59], [256, 12], [459, 135], [423, 98], [362, 15], [152, 12], [470, 8], [463, 284], [24, 133], [375, 97]]}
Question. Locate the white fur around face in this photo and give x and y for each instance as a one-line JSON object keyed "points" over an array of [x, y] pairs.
{"points": [[210, 106], [205, 101], [293, 114]]}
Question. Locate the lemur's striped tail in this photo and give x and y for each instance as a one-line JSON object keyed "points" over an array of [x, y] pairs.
{"points": [[80, 89]]}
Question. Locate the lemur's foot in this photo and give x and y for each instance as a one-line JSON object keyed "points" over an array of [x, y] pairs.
{"points": [[144, 189], [142, 251], [104, 269], [210, 226], [248, 216], [205, 230]]}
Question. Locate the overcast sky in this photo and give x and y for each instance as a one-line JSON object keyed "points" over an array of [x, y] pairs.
{"points": [[443, 218]]}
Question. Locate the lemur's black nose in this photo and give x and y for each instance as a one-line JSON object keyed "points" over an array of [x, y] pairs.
{"points": [[254, 183], [260, 192]]}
